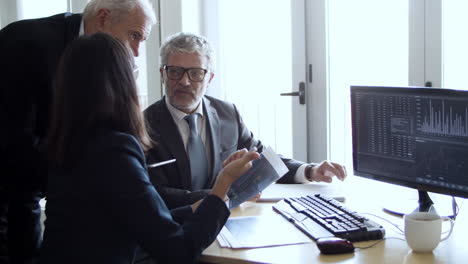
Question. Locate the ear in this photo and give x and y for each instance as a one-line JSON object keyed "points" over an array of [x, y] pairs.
{"points": [[161, 71], [211, 77], [103, 17]]}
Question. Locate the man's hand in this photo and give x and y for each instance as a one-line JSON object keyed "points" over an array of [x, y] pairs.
{"points": [[325, 171]]}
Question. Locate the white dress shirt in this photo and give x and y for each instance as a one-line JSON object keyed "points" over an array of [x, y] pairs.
{"points": [[184, 130]]}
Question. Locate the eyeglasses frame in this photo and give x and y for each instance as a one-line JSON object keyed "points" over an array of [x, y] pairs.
{"points": [[186, 70]]}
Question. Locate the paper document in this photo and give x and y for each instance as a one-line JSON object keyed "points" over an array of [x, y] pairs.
{"points": [[257, 231], [264, 171]]}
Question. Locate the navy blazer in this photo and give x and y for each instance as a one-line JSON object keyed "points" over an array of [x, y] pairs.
{"points": [[105, 206], [29, 53], [227, 133]]}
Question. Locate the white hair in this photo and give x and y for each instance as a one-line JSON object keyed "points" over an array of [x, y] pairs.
{"points": [[184, 42], [119, 7]]}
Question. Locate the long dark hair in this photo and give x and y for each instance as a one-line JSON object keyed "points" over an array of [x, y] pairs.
{"points": [[94, 91]]}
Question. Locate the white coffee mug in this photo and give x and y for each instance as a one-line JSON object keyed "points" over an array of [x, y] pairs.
{"points": [[423, 230]]}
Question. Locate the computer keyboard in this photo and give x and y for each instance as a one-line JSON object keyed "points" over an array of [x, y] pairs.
{"points": [[319, 216]]}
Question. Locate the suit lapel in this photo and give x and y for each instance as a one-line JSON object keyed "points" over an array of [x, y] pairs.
{"points": [[171, 137], [214, 129]]}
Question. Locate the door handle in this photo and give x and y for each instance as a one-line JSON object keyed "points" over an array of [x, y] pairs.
{"points": [[301, 93]]}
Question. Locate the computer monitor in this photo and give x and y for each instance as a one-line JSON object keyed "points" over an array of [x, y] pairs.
{"points": [[416, 137]]}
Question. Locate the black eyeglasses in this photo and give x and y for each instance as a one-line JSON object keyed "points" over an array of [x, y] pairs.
{"points": [[176, 73]]}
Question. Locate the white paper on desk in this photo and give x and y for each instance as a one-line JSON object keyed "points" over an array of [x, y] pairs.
{"points": [[257, 231], [264, 171]]}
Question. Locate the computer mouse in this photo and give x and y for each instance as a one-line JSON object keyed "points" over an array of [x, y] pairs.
{"points": [[334, 245]]}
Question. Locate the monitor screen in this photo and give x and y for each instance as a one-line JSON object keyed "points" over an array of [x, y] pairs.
{"points": [[412, 136]]}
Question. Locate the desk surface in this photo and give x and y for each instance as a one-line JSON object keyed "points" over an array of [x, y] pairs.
{"points": [[356, 191]]}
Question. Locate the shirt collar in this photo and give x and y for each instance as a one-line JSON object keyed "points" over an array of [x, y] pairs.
{"points": [[178, 115]]}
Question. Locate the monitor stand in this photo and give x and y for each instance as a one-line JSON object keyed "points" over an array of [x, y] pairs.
{"points": [[423, 204]]}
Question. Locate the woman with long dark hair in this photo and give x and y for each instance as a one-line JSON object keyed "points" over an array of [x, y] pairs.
{"points": [[100, 203]]}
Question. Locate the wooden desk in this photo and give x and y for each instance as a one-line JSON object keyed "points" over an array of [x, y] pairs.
{"points": [[357, 192]]}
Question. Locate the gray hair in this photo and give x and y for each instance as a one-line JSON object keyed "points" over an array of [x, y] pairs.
{"points": [[119, 8], [184, 42]]}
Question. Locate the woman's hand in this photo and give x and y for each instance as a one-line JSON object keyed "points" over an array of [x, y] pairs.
{"points": [[196, 204], [238, 163], [236, 155]]}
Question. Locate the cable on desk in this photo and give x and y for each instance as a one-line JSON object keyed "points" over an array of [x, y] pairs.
{"points": [[455, 208], [402, 232], [374, 244]]}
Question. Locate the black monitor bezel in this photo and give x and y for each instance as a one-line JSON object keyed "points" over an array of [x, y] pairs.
{"points": [[383, 178]]}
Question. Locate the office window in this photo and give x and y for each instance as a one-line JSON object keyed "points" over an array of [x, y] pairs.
{"points": [[255, 66], [367, 45], [142, 79], [34, 9], [454, 44]]}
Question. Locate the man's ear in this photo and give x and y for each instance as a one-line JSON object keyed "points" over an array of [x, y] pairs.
{"points": [[211, 77], [103, 17], [161, 71]]}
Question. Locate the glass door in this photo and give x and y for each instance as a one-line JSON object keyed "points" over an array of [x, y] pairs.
{"points": [[365, 43], [454, 44], [256, 58]]}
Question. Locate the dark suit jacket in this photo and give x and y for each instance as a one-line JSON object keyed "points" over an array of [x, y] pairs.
{"points": [[29, 54], [227, 132], [102, 208]]}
